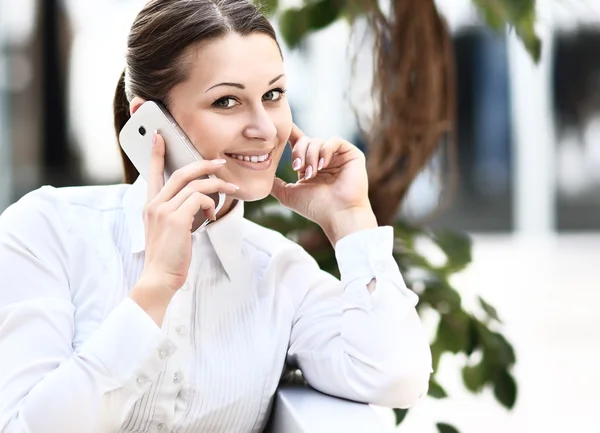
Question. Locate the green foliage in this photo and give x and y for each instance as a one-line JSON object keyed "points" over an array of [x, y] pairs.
{"points": [[518, 15], [489, 356], [445, 428]]}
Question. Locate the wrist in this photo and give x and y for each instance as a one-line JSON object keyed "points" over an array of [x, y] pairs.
{"points": [[152, 298], [348, 221]]}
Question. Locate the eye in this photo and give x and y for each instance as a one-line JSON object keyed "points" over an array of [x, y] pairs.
{"points": [[274, 95], [225, 102]]}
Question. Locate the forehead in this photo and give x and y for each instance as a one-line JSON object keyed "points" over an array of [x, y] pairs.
{"points": [[243, 59]]}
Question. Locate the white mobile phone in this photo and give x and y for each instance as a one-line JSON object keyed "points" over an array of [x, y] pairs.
{"points": [[136, 141]]}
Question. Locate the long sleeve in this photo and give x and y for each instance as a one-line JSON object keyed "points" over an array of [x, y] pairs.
{"points": [[351, 343], [46, 387]]}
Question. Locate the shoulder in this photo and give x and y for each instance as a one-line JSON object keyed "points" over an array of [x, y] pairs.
{"points": [[276, 246], [57, 209]]}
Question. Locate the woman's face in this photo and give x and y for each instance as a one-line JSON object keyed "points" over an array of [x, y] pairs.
{"points": [[233, 106]]}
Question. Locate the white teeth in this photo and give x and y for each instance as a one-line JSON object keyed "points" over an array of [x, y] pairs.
{"points": [[261, 158]]}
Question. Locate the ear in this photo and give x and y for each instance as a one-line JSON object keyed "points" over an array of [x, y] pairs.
{"points": [[135, 103]]}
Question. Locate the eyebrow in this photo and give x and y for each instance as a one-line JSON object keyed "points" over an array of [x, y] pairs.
{"points": [[241, 86]]}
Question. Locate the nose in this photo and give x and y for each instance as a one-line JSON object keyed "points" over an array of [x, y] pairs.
{"points": [[260, 125]]}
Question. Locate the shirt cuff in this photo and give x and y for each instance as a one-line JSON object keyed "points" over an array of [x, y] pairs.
{"points": [[366, 255], [130, 344]]}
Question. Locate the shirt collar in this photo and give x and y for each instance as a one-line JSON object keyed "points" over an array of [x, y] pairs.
{"points": [[225, 234]]}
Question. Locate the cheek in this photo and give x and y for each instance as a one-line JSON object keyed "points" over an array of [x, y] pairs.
{"points": [[283, 123], [210, 135]]}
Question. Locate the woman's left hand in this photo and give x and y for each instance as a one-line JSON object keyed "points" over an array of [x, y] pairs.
{"points": [[332, 187]]}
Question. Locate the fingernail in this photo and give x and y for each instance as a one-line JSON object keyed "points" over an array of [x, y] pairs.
{"points": [[154, 137], [321, 163], [234, 186], [308, 173], [297, 164], [218, 161]]}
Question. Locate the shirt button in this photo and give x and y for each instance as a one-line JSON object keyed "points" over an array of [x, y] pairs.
{"points": [[141, 380], [180, 330], [163, 353], [177, 377], [161, 426]]}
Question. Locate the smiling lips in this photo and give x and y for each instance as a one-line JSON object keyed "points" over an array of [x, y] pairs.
{"points": [[253, 161], [250, 158]]}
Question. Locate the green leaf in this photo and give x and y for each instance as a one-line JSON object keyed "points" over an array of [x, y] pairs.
{"points": [[297, 23], [437, 350], [400, 415], [505, 389], [322, 13], [294, 26], [474, 377], [474, 340], [497, 351], [456, 246], [518, 15], [489, 310], [453, 331], [446, 428], [436, 390], [441, 296]]}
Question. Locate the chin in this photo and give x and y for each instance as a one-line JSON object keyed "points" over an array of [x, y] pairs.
{"points": [[253, 192]]}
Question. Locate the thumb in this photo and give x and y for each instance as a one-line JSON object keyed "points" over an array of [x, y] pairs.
{"points": [[280, 190]]}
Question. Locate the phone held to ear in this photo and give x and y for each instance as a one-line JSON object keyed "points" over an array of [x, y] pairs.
{"points": [[136, 141]]}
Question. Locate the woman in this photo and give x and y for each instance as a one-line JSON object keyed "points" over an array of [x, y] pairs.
{"points": [[118, 315]]}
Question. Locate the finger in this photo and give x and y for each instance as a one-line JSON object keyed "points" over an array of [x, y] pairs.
{"points": [[330, 148], [312, 157], [280, 191], [185, 175], [295, 135], [194, 204], [156, 172], [299, 153], [203, 186]]}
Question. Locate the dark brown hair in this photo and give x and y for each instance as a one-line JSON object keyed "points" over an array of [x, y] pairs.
{"points": [[157, 47]]}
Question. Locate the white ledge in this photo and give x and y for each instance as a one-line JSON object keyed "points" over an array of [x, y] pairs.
{"points": [[301, 409]]}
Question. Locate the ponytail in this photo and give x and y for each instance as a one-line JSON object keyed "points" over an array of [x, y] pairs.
{"points": [[121, 116]]}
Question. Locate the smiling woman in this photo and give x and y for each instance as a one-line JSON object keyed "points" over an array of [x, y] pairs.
{"points": [[235, 107], [137, 319]]}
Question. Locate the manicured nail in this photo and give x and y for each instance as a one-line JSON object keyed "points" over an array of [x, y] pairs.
{"points": [[154, 138], [308, 173], [234, 186], [321, 164], [297, 164], [218, 161]]}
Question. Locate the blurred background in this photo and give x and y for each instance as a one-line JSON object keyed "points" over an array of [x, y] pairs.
{"points": [[528, 163]]}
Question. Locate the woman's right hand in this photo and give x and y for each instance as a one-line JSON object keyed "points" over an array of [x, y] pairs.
{"points": [[169, 216]]}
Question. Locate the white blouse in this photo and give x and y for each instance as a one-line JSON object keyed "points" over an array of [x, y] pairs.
{"points": [[78, 355]]}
